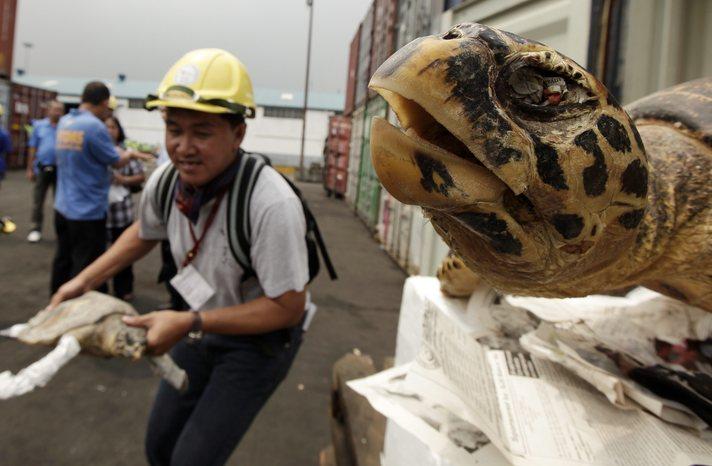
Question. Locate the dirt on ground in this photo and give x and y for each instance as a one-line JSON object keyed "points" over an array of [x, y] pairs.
{"points": [[95, 411]]}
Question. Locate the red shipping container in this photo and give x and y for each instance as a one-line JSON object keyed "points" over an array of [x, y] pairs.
{"points": [[26, 105], [352, 73], [336, 155], [342, 162], [384, 34], [341, 177], [8, 8]]}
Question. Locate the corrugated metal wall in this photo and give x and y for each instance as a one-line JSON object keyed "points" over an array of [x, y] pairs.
{"points": [[369, 188], [355, 154], [8, 10], [363, 72], [352, 73]]}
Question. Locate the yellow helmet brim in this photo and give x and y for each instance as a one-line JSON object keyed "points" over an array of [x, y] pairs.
{"points": [[188, 105]]}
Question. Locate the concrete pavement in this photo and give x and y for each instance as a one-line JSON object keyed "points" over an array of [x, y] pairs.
{"points": [[95, 411]]}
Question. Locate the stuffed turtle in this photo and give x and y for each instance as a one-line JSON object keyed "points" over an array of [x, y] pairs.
{"points": [[94, 320], [537, 178]]}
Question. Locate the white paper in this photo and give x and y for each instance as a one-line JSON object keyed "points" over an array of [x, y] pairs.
{"points": [[192, 287], [41, 372], [449, 436], [535, 411], [117, 193]]}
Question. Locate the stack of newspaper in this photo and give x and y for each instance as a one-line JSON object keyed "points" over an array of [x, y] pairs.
{"points": [[551, 382]]}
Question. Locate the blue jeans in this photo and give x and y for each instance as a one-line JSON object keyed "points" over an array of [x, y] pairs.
{"points": [[230, 379]]}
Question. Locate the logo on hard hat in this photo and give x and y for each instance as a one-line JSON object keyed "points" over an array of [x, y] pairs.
{"points": [[186, 75]]}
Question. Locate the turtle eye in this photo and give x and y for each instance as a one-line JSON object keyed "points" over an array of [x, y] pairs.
{"points": [[452, 34], [543, 85], [538, 87]]}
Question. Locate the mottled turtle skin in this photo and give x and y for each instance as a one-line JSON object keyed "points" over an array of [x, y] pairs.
{"points": [[94, 319], [569, 199]]}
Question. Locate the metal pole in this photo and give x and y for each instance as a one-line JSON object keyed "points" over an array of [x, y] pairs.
{"points": [[306, 91], [28, 46]]}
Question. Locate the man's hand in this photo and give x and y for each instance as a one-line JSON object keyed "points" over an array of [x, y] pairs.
{"points": [[30, 174], [164, 328], [72, 289]]}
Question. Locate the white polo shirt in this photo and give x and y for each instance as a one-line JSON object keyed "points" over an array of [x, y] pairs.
{"points": [[278, 249]]}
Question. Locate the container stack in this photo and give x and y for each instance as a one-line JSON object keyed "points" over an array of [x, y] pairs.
{"points": [[357, 124], [406, 235], [385, 14], [336, 156]]}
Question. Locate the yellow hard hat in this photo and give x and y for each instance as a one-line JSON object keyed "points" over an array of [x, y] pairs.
{"points": [[206, 80], [113, 103]]}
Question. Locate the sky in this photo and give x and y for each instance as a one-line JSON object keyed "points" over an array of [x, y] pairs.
{"points": [[142, 38]]}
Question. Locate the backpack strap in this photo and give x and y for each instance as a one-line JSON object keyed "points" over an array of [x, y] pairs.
{"points": [[313, 229], [238, 210], [164, 191]]}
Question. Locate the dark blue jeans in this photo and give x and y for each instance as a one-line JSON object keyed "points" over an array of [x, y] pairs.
{"points": [[230, 379]]}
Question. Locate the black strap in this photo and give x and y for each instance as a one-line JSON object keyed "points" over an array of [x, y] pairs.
{"points": [[239, 227], [314, 227], [164, 191]]}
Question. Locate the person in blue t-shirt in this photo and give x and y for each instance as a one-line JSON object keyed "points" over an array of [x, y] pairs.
{"points": [[84, 152], [5, 146], [41, 165]]}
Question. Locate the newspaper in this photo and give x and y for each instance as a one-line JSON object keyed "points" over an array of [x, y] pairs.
{"points": [[449, 436], [535, 411], [611, 345]]}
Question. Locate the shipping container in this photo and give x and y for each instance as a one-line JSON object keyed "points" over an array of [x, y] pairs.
{"points": [[336, 155], [369, 187], [395, 222], [5, 101], [414, 20], [384, 34], [363, 72], [8, 9], [352, 73], [357, 121], [26, 105]]}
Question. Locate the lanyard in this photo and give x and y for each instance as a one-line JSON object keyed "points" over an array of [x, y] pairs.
{"points": [[198, 241]]}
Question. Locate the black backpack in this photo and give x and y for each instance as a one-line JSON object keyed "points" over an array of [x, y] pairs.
{"points": [[238, 219]]}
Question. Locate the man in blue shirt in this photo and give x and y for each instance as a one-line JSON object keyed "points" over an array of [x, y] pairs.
{"points": [[84, 152], [6, 225], [41, 165]]}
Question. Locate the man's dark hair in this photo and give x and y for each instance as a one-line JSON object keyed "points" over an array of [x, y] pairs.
{"points": [[233, 118], [95, 93]]}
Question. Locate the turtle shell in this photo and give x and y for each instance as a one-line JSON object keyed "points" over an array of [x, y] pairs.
{"points": [[686, 105]]}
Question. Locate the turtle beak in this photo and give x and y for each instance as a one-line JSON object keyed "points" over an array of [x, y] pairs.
{"points": [[419, 173], [426, 163]]}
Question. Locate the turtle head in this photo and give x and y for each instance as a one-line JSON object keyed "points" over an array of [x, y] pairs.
{"points": [[524, 163]]}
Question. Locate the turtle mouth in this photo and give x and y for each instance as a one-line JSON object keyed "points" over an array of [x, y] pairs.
{"points": [[423, 163]]}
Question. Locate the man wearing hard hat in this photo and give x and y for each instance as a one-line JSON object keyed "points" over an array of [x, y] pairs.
{"points": [[244, 330]]}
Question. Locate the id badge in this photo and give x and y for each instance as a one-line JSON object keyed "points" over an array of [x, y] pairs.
{"points": [[192, 287]]}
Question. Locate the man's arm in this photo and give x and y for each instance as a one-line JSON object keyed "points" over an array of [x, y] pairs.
{"points": [[262, 315], [125, 251], [31, 163]]}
